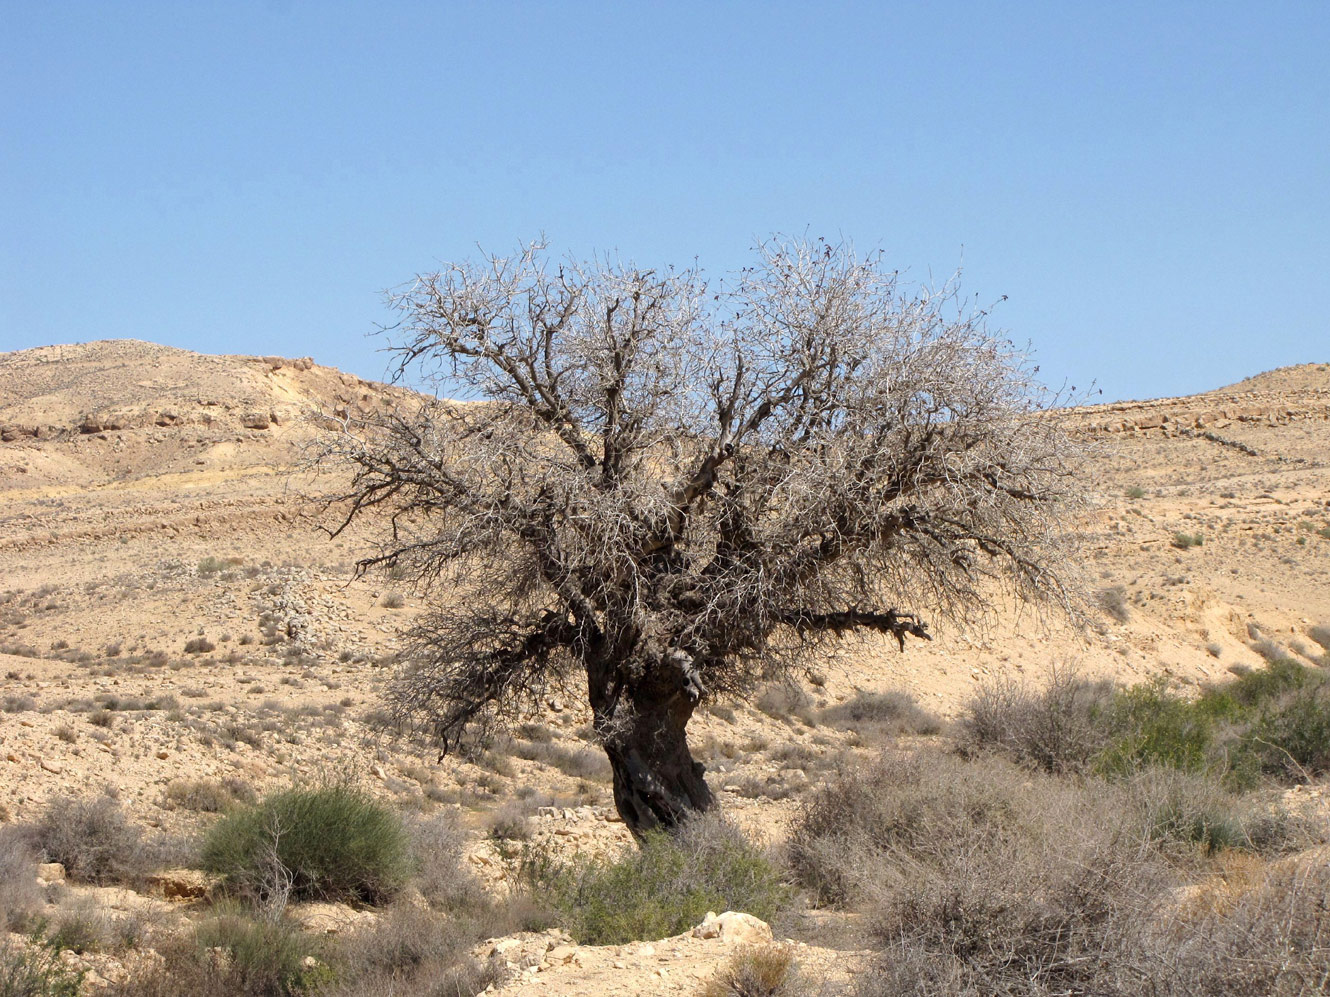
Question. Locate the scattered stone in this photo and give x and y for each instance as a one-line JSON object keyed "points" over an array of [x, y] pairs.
{"points": [[55, 768]]}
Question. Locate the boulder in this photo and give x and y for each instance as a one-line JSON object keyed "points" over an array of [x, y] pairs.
{"points": [[51, 872], [734, 928]]}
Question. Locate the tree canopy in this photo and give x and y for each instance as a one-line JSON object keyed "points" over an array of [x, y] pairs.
{"points": [[663, 491]]}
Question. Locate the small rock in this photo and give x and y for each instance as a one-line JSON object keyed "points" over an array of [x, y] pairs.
{"points": [[11, 757], [55, 768], [163, 755]]}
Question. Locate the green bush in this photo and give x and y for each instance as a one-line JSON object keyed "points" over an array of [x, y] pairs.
{"points": [[35, 971], [1292, 738], [1152, 726], [662, 889], [1183, 541], [331, 843]]}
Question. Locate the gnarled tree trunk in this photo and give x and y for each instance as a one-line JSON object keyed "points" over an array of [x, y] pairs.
{"points": [[657, 783], [643, 729]]}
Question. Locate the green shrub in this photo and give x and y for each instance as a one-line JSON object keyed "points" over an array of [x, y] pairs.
{"points": [[1254, 688], [1183, 541], [1292, 739], [265, 957], [331, 843], [666, 886], [35, 971], [1135, 492], [1152, 726], [231, 955]]}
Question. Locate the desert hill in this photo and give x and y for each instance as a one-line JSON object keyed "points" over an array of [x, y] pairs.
{"points": [[169, 610]]}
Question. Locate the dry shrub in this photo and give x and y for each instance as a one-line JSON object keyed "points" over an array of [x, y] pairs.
{"points": [[980, 878], [758, 971], [1273, 939], [892, 712], [786, 701], [977, 877], [1113, 601], [19, 894], [1058, 729], [413, 951], [92, 839], [208, 795], [441, 876]]}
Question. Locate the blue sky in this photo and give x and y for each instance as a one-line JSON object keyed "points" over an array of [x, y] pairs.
{"points": [[1149, 184]]}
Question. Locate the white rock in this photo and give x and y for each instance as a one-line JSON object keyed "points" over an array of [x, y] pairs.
{"points": [[51, 872], [734, 927]]}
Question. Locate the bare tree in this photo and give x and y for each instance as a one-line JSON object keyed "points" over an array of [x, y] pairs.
{"points": [[671, 492]]}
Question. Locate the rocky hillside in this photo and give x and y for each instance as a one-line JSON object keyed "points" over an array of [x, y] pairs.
{"points": [[171, 613]]}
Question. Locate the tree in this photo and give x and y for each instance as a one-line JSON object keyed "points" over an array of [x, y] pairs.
{"points": [[670, 492]]}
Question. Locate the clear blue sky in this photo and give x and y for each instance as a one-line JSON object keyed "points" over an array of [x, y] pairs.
{"points": [[1148, 183]]}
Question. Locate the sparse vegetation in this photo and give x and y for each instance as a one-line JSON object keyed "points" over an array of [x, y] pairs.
{"points": [[1113, 601], [883, 712], [1184, 541], [661, 889]]}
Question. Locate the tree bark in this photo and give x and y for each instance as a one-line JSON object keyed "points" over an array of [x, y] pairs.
{"points": [[657, 782]]}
